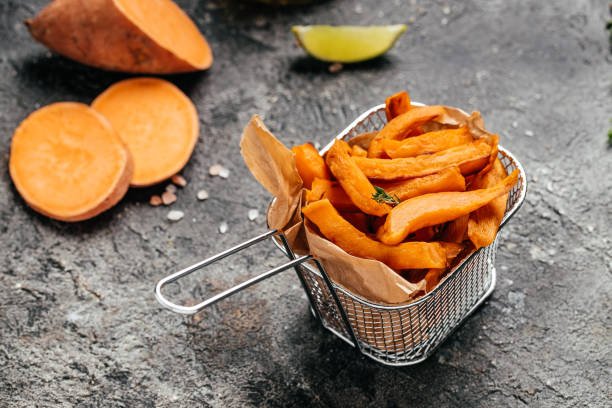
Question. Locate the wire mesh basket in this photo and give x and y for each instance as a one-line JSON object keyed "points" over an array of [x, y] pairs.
{"points": [[392, 335]]}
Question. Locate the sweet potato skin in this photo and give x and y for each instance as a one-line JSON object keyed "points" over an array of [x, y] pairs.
{"points": [[96, 33]]}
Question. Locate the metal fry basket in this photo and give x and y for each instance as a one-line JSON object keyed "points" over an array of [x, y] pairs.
{"points": [[392, 335]]}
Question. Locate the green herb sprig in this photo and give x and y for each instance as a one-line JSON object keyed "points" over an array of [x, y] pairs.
{"points": [[381, 196]]}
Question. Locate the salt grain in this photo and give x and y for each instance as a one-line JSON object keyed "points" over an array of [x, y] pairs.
{"points": [[155, 200], [202, 195], [335, 68], [171, 188], [168, 198], [224, 173], [446, 10], [215, 169], [515, 124], [529, 133], [253, 214], [223, 227], [179, 180], [175, 215]]}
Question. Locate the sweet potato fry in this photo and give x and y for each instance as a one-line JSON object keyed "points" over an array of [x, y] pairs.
{"points": [[310, 164], [397, 104], [353, 181], [469, 157], [456, 230], [447, 180], [398, 127], [356, 150], [430, 142], [484, 222], [437, 208], [332, 191], [417, 255], [434, 275]]}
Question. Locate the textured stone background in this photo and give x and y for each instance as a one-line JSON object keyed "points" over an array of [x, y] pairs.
{"points": [[78, 321]]}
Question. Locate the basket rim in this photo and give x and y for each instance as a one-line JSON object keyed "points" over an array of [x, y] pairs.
{"points": [[454, 272]]}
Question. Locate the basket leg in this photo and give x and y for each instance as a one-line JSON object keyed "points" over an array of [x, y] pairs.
{"points": [[334, 295], [292, 256]]}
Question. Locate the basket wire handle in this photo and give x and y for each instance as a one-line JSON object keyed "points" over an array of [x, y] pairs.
{"points": [[228, 292]]}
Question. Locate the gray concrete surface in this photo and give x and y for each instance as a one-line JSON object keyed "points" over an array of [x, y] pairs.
{"points": [[79, 325]]}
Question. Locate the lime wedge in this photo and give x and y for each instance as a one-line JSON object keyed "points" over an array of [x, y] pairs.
{"points": [[347, 44]]}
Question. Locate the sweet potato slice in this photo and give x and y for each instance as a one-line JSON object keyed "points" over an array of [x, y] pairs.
{"points": [[408, 255], [437, 208], [353, 181], [310, 164], [484, 222], [68, 163], [430, 142], [397, 104], [456, 230], [157, 122], [470, 158], [447, 180], [400, 126], [139, 36]]}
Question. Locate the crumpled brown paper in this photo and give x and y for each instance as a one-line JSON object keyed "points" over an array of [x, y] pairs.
{"points": [[273, 165]]}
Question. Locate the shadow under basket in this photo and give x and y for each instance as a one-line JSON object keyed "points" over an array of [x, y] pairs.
{"points": [[392, 335]]}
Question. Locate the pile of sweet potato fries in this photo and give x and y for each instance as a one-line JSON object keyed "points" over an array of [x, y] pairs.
{"points": [[414, 195]]}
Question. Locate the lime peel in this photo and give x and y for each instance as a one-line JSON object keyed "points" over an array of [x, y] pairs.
{"points": [[347, 44]]}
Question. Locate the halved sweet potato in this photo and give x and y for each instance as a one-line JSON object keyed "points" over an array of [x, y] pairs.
{"points": [[401, 125], [430, 142], [68, 163], [352, 180], [140, 36], [447, 180], [158, 123], [469, 157], [483, 223], [437, 208], [339, 231], [310, 164], [397, 104]]}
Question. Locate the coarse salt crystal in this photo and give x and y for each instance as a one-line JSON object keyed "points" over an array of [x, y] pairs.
{"points": [[529, 133], [223, 227], [155, 200], [215, 169], [179, 180], [175, 215], [168, 198], [253, 214], [202, 195], [224, 173]]}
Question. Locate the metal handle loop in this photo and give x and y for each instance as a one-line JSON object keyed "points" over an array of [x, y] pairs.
{"points": [[187, 310]]}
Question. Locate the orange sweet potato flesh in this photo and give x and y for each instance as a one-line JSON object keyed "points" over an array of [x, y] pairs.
{"points": [[447, 180], [484, 222], [353, 181], [68, 163], [310, 164], [332, 191], [339, 231], [434, 275], [430, 142], [401, 125], [356, 150], [437, 208], [157, 122], [470, 158], [138, 36], [397, 104]]}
